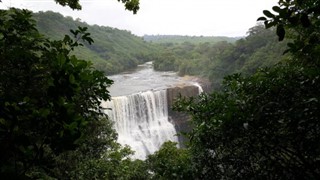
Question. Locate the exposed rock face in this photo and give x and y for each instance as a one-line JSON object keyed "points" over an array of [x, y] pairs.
{"points": [[183, 90], [180, 120]]}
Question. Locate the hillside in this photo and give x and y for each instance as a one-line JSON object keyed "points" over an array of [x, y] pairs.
{"points": [[113, 50], [176, 39]]}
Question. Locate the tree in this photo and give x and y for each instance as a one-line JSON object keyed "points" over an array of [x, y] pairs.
{"points": [[131, 5], [48, 98], [170, 162], [266, 125], [50, 113], [261, 126], [165, 62], [297, 20]]}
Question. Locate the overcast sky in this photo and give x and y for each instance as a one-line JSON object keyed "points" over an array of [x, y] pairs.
{"points": [[170, 17]]}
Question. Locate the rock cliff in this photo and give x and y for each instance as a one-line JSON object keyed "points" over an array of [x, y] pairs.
{"points": [[180, 120]]}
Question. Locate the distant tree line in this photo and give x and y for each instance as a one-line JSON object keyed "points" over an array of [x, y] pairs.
{"points": [[178, 39]]}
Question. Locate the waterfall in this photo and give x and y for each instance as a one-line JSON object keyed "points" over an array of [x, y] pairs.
{"points": [[141, 121], [199, 87]]}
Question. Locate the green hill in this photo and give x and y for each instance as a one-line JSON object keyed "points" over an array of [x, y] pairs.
{"points": [[113, 50], [176, 39]]}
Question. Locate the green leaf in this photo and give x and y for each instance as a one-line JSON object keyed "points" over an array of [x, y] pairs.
{"points": [[291, 45], [262, 19], [286, 51], [280, 32], [26, 99], [269, 24], [268, 13], [305, 20], [2, 121], [294, 20], [61, 59], [73, 32], [276, 9], [72, 79], [44, 112]]}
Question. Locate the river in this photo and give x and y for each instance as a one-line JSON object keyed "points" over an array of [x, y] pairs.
{"points": [[144, 78]]}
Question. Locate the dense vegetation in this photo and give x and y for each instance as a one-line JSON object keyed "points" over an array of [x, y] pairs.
{"points": [[176, 39], [214, 60], [51, 121], [112, 52], [261, 125], [266, 125]]}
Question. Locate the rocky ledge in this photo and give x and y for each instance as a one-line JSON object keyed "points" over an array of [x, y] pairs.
{"points": [[179, 119]]}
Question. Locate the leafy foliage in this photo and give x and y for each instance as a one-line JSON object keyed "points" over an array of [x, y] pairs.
{"points": [[266, 125], [298, 20], [169, 162], [131, 5], [261, 126], [49, 100], [216, 60]]}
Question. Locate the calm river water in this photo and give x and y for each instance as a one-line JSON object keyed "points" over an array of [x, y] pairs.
{"points": [[144, 78]]}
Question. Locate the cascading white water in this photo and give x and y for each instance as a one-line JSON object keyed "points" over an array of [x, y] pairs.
{"points": [[140, 115], [199, 87], [141, 121]]}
